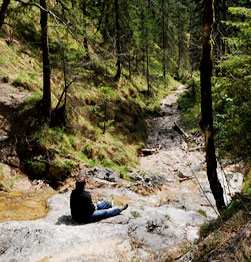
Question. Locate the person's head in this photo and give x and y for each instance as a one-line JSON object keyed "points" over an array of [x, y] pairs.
{"points": [[81, 182]]}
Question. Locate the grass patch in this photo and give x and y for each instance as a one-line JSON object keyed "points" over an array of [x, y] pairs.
{"points": [[135, 214], [201, 212], [19, 66]]}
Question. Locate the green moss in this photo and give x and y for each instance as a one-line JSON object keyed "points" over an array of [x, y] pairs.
{"points": [[201, 212], [135, 214], [167, 217]]}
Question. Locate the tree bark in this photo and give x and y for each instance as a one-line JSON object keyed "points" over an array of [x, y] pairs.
{"points": [[84, 24], [3, 10], [105, 117], [117, 76], [206, 123], [73, 3], [129, 64], [163, 39], [147, 70], [179, 43], [46, 62]]}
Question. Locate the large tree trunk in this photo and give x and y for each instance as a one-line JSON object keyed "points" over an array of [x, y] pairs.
{"points": [[46, 62], [3, 11], [206, 67], [117, 76]]}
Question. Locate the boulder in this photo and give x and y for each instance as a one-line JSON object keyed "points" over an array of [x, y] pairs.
{"points": [[101, 173]]}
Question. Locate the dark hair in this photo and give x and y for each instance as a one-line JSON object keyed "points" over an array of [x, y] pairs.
{"points": [[81, 182]]}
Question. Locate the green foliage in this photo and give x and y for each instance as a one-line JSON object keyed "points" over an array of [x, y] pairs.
{"points": [[232, 90], [35, 168], [248, 193]]}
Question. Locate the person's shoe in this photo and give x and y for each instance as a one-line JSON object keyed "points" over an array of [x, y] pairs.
{"points": [[124, 207]]}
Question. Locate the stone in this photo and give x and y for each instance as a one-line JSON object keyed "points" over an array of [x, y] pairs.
{"points": [[14, 161], [101, 173], [64, 189], [3, 138], [5, 79]]}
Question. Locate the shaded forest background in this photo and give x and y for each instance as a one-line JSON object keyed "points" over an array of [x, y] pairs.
{"points": [[107, 66]]}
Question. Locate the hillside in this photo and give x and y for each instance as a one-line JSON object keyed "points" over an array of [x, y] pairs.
{"points": [[153, 111]]}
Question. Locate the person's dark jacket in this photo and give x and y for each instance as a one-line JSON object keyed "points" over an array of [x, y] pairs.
{"points": [[81, 205]]}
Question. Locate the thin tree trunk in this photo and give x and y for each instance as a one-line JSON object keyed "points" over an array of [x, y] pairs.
{"points": [[190, 41], [117, 76], [84, 25], [105, 117], [206, 68], [147, 69], [3, 10], [136, 63], [163, 40], [46, 62], [179, 44], [143, 66], [65, 79], [129, 61], [224, 18]]}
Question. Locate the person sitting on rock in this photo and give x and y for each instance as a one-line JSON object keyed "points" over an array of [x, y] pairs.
{"points": [[84, 210]]}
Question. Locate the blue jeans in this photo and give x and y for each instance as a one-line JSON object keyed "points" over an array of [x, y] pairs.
{"points": [[102, 213]]}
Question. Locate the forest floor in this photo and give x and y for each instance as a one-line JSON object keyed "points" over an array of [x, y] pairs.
{"points": [[167, 206]]}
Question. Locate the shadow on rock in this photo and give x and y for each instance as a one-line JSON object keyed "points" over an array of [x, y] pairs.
{"points": [[67, 220]]}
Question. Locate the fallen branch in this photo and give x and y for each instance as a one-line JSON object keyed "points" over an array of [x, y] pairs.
{"points": [[180, 130], [65, 89], [185, 179], [148, 151], [192, 149]]}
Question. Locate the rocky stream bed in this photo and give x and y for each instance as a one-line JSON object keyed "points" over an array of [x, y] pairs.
{"points": [[169, 199]]}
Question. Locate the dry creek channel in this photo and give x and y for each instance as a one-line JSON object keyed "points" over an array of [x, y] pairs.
{"points": [[164, 213]]}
